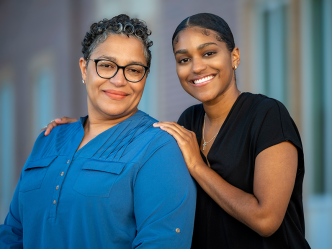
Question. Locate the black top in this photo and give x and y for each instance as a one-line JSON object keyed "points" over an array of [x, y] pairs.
{"points": [[254, 123]]}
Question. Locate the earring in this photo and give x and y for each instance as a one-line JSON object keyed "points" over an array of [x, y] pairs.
{"points": [[235, 67], [83, 81]]}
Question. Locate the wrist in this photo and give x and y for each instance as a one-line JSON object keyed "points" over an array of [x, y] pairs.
{"points": [[195, 167]]}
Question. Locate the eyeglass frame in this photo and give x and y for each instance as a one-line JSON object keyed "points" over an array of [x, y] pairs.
{"points": [[146, 68]]}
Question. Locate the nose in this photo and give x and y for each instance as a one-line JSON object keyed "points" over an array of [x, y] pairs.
{"points": [[119, 79], [198, 65]]}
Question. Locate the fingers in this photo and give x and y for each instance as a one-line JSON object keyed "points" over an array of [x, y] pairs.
{"points": [[65, 120], [56, 122], [181, 134], [49, 127], [172, 125]]}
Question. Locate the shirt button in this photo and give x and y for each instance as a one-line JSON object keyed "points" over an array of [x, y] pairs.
{"points": [[57, 187], [54, 202], [62, 173], [177, 230], [68, 161]]}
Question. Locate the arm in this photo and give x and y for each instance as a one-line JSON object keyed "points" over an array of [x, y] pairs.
{"points": [[11, 232], [56, 122], [164, 201], [274, 178], [264, 211]]}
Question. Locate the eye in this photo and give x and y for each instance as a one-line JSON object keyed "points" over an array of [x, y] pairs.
{"points": [[183, 60], [106, 65], [209, 54], [133, 70]]}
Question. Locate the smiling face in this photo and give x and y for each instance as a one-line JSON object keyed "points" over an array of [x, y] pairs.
{"points": [[204, 65], [116, 97]]}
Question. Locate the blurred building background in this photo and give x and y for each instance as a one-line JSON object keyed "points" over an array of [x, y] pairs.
{"points": [[286, 53]]}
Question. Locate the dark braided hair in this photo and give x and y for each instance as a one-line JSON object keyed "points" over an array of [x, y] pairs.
{"points": [[207, 21], [121, 24]]}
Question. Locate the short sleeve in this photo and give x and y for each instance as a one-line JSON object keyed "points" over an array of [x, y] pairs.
{"points": [[274, 125]]}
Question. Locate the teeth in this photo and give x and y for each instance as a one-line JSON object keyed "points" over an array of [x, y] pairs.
{"points": [[203, 79]]}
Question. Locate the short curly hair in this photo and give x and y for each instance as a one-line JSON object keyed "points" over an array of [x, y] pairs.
{"points": [[121, 24]]}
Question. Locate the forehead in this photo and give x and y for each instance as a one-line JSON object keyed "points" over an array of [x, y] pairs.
{"points": [[121, 47], [195, 36]]}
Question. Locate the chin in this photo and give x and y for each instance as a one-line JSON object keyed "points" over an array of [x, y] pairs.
{"points": [[203, 97], [114, 110]]}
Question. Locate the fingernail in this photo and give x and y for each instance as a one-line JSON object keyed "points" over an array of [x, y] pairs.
{"points": [[57, 120]]}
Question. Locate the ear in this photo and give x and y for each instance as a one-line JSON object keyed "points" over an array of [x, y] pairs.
{"points": [[235, 57], [83, 67]]}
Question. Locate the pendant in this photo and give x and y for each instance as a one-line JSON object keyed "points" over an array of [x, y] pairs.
{"points": [[204, 144]]}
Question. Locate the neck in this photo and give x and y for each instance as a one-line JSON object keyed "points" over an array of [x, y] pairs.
{"points": [[218, 109], [96, 124]]}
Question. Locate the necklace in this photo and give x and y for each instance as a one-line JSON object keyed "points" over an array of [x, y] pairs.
{"points": [[205, 143]]}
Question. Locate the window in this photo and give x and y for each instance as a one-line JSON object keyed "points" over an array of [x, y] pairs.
{"points": [[43, 99], [274, 50], [7, 139], [319, 91], [149, 101], [42, 91], [317, 95], [327, 91]]}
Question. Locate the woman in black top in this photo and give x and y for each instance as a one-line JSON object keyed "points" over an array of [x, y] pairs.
{"points": [[243, 149]]}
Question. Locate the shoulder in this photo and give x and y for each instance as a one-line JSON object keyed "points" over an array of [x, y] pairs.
{"points": [[190, 111], [189, 117], [143, 132], [155, 133], [270, 122], [261, 105], [45, 146], [152, 142]]}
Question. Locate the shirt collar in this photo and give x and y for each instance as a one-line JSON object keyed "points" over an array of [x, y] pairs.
{"points": [[137, 115]]}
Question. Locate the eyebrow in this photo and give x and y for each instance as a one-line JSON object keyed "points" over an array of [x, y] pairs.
{"points": [[114, 59], [181, 51], [205, 45], [107, 58], [185, 51]]}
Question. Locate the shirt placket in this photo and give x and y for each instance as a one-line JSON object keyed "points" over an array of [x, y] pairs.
{"points": [[58, 186]]}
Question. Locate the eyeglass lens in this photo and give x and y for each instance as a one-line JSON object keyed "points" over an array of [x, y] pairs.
{"points": [[107, 69]]}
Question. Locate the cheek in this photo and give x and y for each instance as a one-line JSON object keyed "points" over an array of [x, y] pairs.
{"points": [[182, 72], [138, 88]]}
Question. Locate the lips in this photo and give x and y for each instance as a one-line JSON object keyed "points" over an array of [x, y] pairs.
{"points": [[202, 80], [116, 95]]}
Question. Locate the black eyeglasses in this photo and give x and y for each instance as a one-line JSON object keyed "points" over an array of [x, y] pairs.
{"points": [[107, 69]]}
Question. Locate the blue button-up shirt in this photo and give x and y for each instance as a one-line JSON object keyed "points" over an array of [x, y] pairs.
{"points": [[127, 188]]}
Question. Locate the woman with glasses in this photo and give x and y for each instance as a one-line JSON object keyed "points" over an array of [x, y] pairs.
{"points": [[110, 180], [243, 149]]}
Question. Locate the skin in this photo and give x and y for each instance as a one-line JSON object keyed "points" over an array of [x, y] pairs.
{"points": [[197, 56], [110, 101]]}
